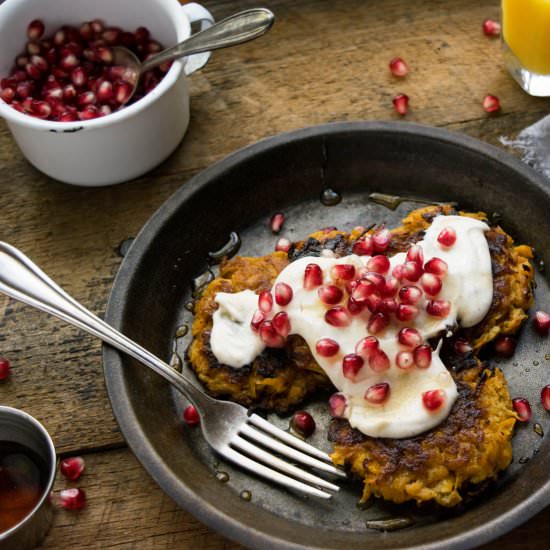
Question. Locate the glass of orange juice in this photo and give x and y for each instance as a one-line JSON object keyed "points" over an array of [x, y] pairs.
{"points": [[526, 36]]}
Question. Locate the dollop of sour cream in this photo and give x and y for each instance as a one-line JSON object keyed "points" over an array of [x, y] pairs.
{"points": [[468, 286]]}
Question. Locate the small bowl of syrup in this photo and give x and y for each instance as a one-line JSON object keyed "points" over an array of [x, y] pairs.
{"points": [[27, 474]]}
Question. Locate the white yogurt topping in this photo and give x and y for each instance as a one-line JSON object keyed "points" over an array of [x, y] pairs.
{"points": [[468, 286]]}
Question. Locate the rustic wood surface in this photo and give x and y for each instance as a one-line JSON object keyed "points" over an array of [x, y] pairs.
{"points": [[323, 61]]}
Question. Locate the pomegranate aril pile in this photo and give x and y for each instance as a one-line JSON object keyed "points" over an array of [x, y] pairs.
{"points": [[69, 76]]}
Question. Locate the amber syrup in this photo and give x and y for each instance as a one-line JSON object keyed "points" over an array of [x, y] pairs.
{"points": [[23, 478]]}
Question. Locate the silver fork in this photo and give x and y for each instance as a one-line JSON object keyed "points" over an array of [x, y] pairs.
{"points": [[240, 437]]}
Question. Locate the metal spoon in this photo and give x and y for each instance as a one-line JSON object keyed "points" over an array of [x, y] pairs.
{"points": [[233, 30]]}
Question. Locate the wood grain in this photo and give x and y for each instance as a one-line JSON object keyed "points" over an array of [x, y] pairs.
{"points": [[323, 61]]}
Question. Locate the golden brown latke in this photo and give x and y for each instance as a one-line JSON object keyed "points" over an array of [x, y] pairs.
{"points": [[471, 446]]}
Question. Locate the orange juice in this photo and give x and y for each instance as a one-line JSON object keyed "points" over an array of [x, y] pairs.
{"points": [[526, 31]]}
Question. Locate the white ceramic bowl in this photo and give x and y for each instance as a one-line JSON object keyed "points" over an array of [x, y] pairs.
{"points": [[129, 142]]}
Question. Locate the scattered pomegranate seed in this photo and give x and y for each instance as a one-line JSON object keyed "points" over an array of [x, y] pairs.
{"points": [[401, 103], [367, 346], [545, 397], [436, 266], [283, 245], [265, 301], [330, 294], [283, 294], [462, 346], [363, 289], [270, 337], [505, 346], [379, 361], [337, 404], [378, 393], [72, 467], [313, 276], [35, 30], [398, 67], [374, 302], [406, 312], [390, 287], [447, 237], [438, 308], [491, 103], [191, 416], [522, 408], [423, 356], [354, 307], [277, 221], [7, 94], [105, 91], [281, 323], [404, 360], [342, 272], [41, 109], [433, 399], [415, 254], [409, 337], [491, 28], [5, 368], [302, 423], [376, 279], [388, 305], [378, 322], [363, 246], [351, 366], [412, 271], [431, 284], [257, 319], [410, 295], [379, 264], [72, 499], [381, 239], [541, 322], [337, 317], [326, 347]]}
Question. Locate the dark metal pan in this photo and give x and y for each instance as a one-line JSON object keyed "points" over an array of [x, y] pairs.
{"points": [[288, 173]]}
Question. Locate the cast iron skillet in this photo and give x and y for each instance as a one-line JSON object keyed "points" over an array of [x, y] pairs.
{"points": [[287, 173]]}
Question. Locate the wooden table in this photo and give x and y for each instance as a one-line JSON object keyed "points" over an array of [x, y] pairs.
{"points": [[323, 61]]}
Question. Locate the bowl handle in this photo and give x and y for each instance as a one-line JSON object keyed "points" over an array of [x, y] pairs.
{"points": [[197, 14]]}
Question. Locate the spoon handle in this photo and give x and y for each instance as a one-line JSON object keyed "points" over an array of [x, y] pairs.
{"points": [[233, 30], [22, 280]]}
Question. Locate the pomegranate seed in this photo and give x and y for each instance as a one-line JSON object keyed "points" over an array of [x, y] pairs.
{"points": [[412, 271], [337, 404], [330, 294], [406, 312], [89, 112], [491, 28], [7, 94], [381, 239], [374, 302], [363, 289], [541, 322], [433, 399], [105, 91], [522, 408], [33, 48], [276, 222], [326, 347], [398, 67], [337, 317], [33, 71], [409, 337], [78, 76], [354, 307], [342, 272], [398, 272], [283, 245], [283, 294], [5, 368], [313, 276], [436, 266], [545, 397], [505, 346], [69, 92], [438, 308], [86, 31], [67, 116], [281, 323], [257, 319], [423, 356], [53, 94], [431, 284], [270, 337], [388, 305], [35, 29], [104, 54], [491, 103], [379, 361], [265, 301], [69, 62], [86, 98], [378, 393], [390, 287], [302, 423], [415, 254], [122, 91], [363, 246], [404, 359], [367, 346], [72, 467], [447, 237], [191, 416], [401, 103], [59, 38], [376, 279], [379, 264], [41, 109], [97, 26], [410, 295], [111, 36], [352, 365], [462, 346], [153, 47], [142, 34], [72, 499], [378, 322], [21, 61]]}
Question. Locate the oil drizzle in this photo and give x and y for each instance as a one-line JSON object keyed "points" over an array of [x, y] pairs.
{"points": [[222, 476], [228, 250], [200, 281], [537, 428], [393, 201], [330, 197], [182, 331], [246, 495], [176, 363], [523, 460], [391, 524]]}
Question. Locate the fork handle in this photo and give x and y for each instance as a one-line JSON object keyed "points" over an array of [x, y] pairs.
{"points": [[23, 280]]}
